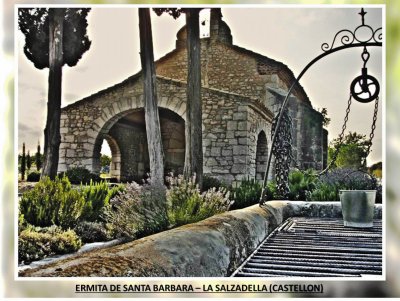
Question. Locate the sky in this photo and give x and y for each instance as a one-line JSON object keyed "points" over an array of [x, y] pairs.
{"points": [[290, 35]]}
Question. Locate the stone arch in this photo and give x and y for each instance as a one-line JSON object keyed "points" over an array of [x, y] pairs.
{"points": [[84, 124], [115, 166], [261, 155], [131, 152]]}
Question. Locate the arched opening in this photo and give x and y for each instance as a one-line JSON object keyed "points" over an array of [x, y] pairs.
{"points": [[127, 141], [261, 155], [110, 149]]}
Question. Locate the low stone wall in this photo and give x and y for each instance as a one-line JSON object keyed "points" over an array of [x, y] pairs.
{"points": [[214, 247]]}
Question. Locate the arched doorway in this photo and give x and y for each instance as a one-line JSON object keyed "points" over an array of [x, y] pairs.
{"points": [[261, 155], [128, 144], [110, 144]]}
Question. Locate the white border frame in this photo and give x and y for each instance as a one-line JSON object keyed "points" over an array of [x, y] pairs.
{"points": [[222, 280]]}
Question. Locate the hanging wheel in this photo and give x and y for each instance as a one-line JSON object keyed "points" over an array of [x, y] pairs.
{"points": [[365, 92]]}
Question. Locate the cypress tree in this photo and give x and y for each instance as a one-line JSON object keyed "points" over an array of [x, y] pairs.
{"points": [[53, 37], [23, 162], [28, 161], [38, 158]]}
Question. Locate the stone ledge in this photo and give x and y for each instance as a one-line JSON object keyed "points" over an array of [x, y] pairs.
{"points": [[214, 247]]}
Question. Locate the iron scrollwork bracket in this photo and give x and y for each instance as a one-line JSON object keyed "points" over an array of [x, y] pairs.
{"points": [[363, 34]]}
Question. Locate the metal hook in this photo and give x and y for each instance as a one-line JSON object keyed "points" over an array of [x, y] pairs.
{"points": [[365, 56]]}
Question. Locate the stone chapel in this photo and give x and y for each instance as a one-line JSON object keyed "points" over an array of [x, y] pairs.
{"points": [[241, 93]]}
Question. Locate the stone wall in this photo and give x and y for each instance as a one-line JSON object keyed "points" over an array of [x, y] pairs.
{"points": [[307, 136], [230, 127], [132, 143], [214, 247], [231, 124], [229, 67], [240, 71]]}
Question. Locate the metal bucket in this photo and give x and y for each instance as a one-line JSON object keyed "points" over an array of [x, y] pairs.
{"points": [[358, 207]]}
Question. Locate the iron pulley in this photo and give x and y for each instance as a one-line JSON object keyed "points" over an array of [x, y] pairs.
{"points": [[365, 88]]}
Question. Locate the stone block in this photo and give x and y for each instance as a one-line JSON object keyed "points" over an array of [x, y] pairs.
{"points": [[206, 169], [239, 159], [68, 138], [206, 142], [240, 116], [242, 125], [238, 169], [239, 150], [215, 151], [220, 170], [231, 125], [241, 134], [211, 162], [226, 152], [230, 134], [226, 178], [242, 141], [70, 153]]}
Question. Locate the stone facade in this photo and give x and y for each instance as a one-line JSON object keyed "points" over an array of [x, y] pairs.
{"points": [[241, 92]]}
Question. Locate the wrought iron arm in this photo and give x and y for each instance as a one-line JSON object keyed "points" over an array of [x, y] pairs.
{"points": [[283, 106]]}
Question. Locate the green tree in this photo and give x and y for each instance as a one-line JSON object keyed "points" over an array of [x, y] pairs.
{"points": [[23, 162], [53, 37], [351, 151], [325, 119], [193, 125], [105, 160], [376, 169], [38, 158], [153, 131]]}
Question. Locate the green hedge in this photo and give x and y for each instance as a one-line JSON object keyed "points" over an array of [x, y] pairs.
{"points": [[187, 205], [246, 194], [52, 203], [97, 197], [37, 243]]}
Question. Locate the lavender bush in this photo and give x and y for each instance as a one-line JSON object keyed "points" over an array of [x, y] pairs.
{"points": [[329, 184], [186, 204], [138, 211]]}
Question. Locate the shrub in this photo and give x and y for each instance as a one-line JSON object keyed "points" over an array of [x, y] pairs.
{"points": [[37, 243], [329, 184], [97, 197], [271, 191], [52, 203], [92, 232], [22, 224], [187, 205], [81, 175], [324, 193], [211, 182], [301, 183], [33, 176], [138, 211], [246, 194]]}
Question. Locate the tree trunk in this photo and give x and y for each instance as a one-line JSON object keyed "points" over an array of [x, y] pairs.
{"points": [[52, 137], [153, 131], [193, 129]]}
